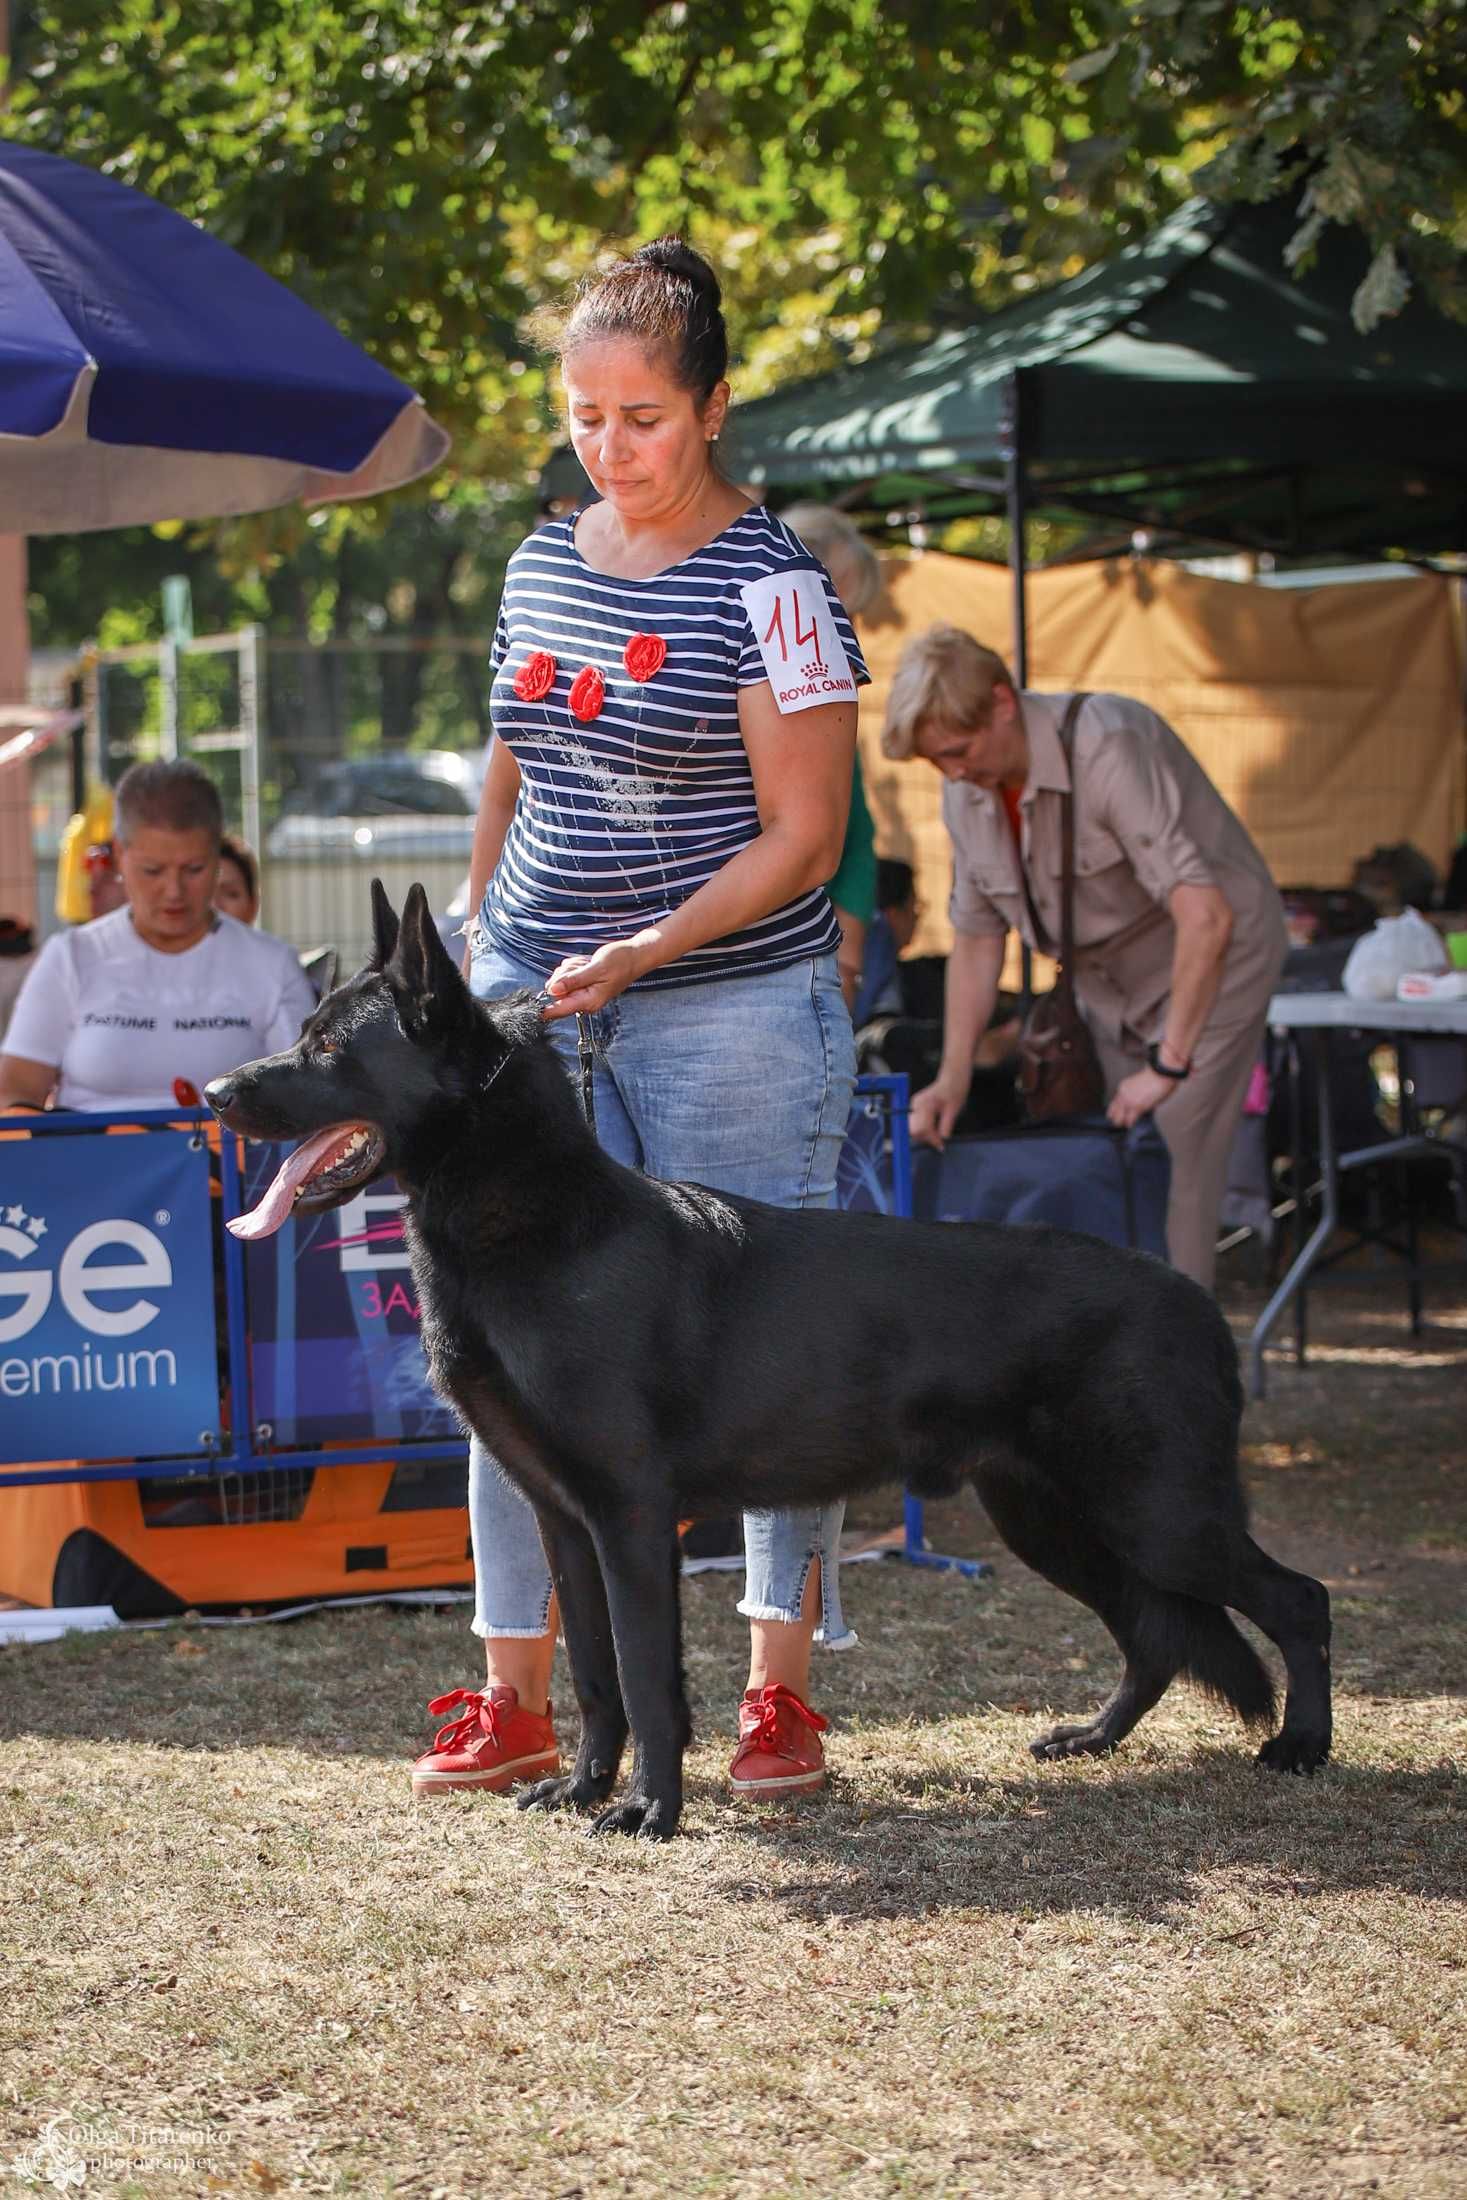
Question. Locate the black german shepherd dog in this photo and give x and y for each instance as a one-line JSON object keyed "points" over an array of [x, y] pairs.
{"points": [[637, 1353]]}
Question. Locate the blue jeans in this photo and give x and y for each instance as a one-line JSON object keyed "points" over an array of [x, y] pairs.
{"points": [[742, 1084]]}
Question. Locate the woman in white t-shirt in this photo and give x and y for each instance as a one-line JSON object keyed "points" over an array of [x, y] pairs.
{"points": [[164, 991]]}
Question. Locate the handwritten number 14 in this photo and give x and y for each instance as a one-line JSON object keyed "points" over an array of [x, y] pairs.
{"points": [[803, 635]]}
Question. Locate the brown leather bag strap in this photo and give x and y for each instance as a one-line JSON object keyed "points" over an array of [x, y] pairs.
{"points": [[1067, 842], [1035, 925]]}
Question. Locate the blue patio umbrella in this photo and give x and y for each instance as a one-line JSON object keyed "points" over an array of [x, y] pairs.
{"points": [[148, 372]]}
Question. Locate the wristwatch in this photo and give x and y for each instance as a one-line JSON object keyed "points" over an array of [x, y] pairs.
{"points": [[1164, 1069]]}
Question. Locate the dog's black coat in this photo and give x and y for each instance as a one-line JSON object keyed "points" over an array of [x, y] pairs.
{"points": [[637, 1353]]}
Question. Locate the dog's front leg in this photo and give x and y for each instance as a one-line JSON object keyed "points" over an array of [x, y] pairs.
{"points": [[641, 1564], [586, 1625]]}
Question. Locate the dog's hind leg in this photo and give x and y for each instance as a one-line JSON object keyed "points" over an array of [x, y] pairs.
{"points": [[586, 1625], [1056, 1546], [1193, 1570], [641, 1564], [1293, 1611], [1140, 1686]]}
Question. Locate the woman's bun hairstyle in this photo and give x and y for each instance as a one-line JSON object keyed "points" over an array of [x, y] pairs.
{"points": [[673, 257], [665, 297]]}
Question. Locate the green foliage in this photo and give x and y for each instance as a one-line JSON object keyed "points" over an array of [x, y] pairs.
{"points": [[1362, 102], [427, 173]]}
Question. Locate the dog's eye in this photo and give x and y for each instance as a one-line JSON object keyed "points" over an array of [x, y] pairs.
{"points": [[327, 1047]]}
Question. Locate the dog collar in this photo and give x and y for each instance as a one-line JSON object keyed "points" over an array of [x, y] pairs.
{"points": [[587, 1060]]}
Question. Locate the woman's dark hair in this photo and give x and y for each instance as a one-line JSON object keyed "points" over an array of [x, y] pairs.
{"points": [[239, 852], [174, 795], [667, 298]]}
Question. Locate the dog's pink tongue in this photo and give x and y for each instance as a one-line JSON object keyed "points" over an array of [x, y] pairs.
{"points": [[268, 1212]]}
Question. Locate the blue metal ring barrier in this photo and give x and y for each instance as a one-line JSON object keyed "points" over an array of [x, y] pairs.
{"points": [[876, 1172]]}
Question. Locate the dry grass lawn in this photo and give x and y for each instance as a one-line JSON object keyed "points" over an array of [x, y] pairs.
{"points": [[229, 1937]]}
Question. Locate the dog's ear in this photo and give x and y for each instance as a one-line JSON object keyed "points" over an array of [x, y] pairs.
{"points": [[384, 926], [423, 974]]}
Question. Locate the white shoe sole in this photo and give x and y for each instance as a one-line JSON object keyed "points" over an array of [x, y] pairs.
{"points": [[791, 1786], [519, 1768]]}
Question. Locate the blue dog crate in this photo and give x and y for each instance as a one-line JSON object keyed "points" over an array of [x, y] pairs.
{"points": [[1082, 1175]]}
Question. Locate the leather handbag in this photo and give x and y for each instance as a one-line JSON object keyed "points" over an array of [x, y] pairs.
{"points": [[1059, 1070]]}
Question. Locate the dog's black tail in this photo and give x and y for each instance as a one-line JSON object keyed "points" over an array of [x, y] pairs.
{"points": [[1183, 1635]]}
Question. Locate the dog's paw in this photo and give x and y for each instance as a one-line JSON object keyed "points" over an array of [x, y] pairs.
{"points": [[565, 1792], [649, 1817], [1294, 1752], [1092, 1740]]}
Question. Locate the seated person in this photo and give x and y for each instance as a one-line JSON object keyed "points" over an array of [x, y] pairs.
{"points": [[17, 954], [164, 991], [105, 890], [880, 992], [237, 888], [237, 895]]}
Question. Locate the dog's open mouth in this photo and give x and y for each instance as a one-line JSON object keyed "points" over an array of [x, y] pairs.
{"points": [[320, 1173]]}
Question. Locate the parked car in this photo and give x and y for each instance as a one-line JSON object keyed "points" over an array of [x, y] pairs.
{"points": [[396, 803]]}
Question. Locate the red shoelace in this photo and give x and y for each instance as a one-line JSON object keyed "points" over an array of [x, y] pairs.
{"points": [[482, 1718], [759, 1721]]}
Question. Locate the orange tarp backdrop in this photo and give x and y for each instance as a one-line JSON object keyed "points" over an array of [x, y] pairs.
{"points": [[1330, 718]]}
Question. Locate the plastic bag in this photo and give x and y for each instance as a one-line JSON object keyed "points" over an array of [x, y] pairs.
{"points": [[1395, 946]]}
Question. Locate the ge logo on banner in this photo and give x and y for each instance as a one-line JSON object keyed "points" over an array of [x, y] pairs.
{"points": [[25, 1293]]}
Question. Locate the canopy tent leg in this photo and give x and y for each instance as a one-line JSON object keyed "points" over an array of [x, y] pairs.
{"points": [[1016, 497]]}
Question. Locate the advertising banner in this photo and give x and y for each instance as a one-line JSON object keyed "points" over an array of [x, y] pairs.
{"points": [[107, 1344], [863, 1174], [335, 1349], [333, 1316]]}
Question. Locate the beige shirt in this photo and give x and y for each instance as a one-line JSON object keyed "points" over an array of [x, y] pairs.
{"points": [[1147, 820]]}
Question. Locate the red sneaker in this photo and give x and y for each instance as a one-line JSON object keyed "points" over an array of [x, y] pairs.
{"points": [[779, 1750], [494, 1744]]}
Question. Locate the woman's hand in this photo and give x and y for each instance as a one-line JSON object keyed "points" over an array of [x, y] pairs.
{"points": [[583, 983], [1139, 1094], [934, 1111]]}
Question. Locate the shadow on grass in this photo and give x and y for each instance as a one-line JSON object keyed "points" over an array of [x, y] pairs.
{"points": [[1136, 1845], [1145, 1836]]}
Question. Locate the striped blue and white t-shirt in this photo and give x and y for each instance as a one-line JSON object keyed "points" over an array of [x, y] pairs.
{"points": [[625, 813]]}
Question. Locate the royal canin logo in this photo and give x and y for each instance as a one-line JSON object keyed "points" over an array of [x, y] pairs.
{"points": [[825, 684]]}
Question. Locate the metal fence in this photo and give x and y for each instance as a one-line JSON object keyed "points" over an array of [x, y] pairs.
{"points": [[335, 761]]}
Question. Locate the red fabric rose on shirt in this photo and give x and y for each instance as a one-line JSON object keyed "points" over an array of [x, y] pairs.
{"points": [[588, 693], [644, 656], [536, 677]]}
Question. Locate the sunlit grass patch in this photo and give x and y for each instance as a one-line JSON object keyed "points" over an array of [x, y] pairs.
{"points": [[959, 1972]]}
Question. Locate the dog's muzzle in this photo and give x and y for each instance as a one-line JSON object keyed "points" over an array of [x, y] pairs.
{"points": [[321, 1173]]}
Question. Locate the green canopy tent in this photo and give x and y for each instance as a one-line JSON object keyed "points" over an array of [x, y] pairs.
{"points": [[1190, 387]]}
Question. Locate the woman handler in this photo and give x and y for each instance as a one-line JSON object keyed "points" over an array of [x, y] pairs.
{"points": [[674, 709]]}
